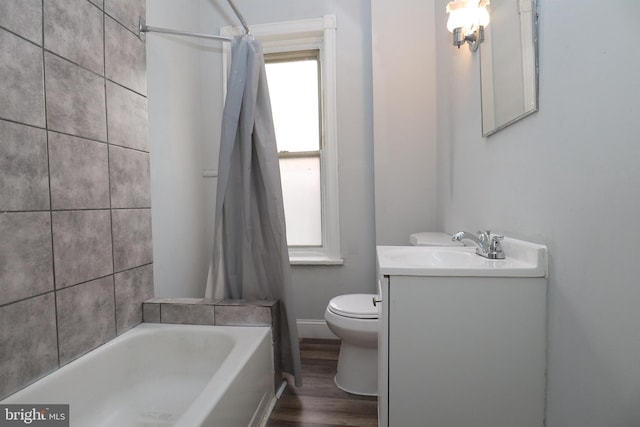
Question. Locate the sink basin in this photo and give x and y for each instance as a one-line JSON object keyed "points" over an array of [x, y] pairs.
{"points": [[523, 259], [432, 256]]}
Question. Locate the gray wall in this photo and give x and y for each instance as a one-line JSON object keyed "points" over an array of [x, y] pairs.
{"points": [[75, 223], [314, 286], [569, 177]]}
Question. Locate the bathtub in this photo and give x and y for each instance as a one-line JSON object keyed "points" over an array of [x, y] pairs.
{"points": [[166, 375]]}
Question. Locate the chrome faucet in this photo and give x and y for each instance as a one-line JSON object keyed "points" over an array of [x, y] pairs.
{"points": [[488, 245]]}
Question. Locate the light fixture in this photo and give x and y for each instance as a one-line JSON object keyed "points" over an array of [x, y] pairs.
{"points": [[467, 21]]}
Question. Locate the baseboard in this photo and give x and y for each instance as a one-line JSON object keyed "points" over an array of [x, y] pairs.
{"points": [[314, 328]]}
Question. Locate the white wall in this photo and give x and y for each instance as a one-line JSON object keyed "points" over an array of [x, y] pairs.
{"points": [[202, 84], [404, 79], [567, 176], [175, 136]]}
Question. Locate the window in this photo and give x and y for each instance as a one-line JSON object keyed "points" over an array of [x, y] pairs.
{"points": [[300, 65], [294, 88]]}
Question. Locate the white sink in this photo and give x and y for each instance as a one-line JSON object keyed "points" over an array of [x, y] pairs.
{"points": [[426, 256], [522, 259]]}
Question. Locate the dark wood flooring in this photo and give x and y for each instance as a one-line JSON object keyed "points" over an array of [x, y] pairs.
{"points": [[319, 402]]}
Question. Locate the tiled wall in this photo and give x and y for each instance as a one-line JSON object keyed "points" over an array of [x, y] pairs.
{"points": [[75, 218]]}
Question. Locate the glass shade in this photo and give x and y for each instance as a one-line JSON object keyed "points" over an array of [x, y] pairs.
{"points": [[483, 13], [467, 14]]}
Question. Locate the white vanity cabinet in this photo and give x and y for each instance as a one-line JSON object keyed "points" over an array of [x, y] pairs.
{"points": [[462, 351]]}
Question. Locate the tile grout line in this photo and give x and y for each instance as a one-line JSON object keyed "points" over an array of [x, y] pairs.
{"points": [[90, 139], [106, 113], [46, 129], [75, 210], [84, 282]]}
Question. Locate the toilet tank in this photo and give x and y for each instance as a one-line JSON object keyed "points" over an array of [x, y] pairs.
{"points": [[432, 238]]}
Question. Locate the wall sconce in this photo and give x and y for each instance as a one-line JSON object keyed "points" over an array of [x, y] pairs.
{"points": [[467, 20]]}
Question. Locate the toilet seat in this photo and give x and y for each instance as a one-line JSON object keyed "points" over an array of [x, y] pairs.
{"points": [[357, 306]]}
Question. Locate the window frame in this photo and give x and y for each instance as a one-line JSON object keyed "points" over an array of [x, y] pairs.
{"points": [[317, 34]]}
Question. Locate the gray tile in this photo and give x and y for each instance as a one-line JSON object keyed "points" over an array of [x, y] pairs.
{"points": [[125, 57], [129, 177], [28, 347], [131, 238], [132, 288], [191, 314], [250, 302], [126, 12], [174, 300], [242, 315], [24, 181], [81, 246], [21, 91], [128, 118], [277, 364], [151, 312], [79, 173], [26, 261], [75, 99], [275, 321], [85, 317], [158, 300], [73, 29], [99, 3], [23, 17]]}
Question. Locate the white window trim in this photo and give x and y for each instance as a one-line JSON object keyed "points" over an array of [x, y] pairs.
{"points": [[310, 34]]}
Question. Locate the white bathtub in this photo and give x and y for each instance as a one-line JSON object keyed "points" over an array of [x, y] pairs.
{"points": [[166, 375]]}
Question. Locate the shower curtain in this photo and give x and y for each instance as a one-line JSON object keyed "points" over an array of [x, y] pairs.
{"points": [[250, 253]]}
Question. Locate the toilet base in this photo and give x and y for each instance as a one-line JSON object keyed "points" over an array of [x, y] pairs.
{"points": [[357, 370]]}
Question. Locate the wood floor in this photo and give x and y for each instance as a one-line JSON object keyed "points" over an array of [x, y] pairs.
{"points": [[319, 402]]}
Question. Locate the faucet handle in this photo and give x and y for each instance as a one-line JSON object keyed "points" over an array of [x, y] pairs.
{"points": [[484, 236], [495, 247], [495, 241]]}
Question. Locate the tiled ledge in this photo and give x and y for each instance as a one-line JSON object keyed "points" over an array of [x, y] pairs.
{"points": [[202, 311], [192, 311]]}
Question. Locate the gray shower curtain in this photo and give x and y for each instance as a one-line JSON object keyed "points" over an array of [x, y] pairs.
{"points": [[250, 253]]}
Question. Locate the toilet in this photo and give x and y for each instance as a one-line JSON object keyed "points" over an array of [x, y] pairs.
{"points": [[354, 319]]}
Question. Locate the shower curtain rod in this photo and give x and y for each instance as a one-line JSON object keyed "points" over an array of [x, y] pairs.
{"points": [[239, 15], [143, 28]]}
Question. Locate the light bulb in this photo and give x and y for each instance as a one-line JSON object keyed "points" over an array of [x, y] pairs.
{"points": [[467, 14]]}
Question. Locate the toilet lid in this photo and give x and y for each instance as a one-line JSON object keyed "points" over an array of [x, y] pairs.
{"points": [[354, 305]]}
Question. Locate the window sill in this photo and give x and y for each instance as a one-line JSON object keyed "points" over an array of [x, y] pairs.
{"points": [[314, 260]]}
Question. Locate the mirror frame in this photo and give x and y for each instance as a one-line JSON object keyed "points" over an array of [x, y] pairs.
{"points": [[485, 105]]}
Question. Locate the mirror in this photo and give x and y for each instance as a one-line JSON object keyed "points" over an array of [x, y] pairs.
{"points": [[509, 64]]}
